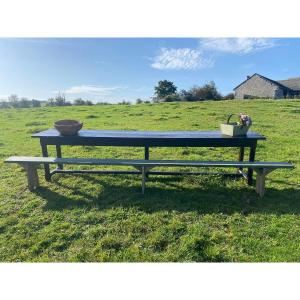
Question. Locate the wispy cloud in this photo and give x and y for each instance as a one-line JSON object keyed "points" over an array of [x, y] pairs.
{"points": [[95, 90], [236, 45], [180, 59]]}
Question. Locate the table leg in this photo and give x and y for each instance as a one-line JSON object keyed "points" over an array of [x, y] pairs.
{"points": [[46, 166], [241, 156], [58, 154], [251, 158], [146, 158]]}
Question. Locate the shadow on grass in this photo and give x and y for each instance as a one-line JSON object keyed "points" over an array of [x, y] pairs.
{"points": [[207, 198]]}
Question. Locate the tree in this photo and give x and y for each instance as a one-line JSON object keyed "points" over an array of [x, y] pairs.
{"points": [[50, 102], [186, 96], [79, 101], [124, 102], [36, 103], [13, 100], [88, 102], [165, 88], [60, 100], [138, 101], [24, 103], [229, 96], [206, 92]]}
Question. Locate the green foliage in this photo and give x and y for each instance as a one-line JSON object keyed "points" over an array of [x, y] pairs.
{"points": [[15, 102], [190, 218], [36, 103], [229, 96], [103, 103], [171, 98], [139, 101], [186, 96], [80, 102], [206, 92], [124, 102], [165, 88], [59, 100]]}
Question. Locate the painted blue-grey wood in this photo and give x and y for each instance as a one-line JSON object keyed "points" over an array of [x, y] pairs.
{"points": [[147, 163], [148, 138]]}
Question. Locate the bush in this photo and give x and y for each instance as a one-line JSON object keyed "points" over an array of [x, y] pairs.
{"points": [[36, 103], [139, 101], [206, 92], [24, 103], [59, 100], [102, 103], [80, 101], [229, 96], [124, 103], [4, 104], [171, 98], [186, 96]]}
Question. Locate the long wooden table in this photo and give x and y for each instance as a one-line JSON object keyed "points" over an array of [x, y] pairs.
{"points": [[145, 139]]}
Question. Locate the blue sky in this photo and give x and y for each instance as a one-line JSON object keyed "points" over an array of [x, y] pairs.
{"points": [[117, 69]]}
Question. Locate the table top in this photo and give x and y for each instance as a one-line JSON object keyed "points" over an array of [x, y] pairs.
{"points": [[125, 134], [147, 138]]}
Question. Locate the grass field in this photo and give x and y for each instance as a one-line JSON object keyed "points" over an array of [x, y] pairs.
{"points": [[106, 218]]}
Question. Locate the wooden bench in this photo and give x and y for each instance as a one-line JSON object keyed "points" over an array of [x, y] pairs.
{"points": [[261, 168]]}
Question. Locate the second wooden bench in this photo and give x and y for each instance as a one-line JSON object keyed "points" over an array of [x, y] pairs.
{"points": [[30, 164]]}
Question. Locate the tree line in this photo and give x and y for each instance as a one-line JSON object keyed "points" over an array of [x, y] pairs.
{"points": [[165, 91], [60, 100]]}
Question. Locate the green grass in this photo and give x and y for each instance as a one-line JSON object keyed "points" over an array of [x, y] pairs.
{"points": [[105, 218]]}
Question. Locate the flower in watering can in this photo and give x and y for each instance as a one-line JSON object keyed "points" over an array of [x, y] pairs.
{"points": [[245, 119]]}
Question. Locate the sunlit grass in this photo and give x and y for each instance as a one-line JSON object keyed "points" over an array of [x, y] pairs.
{"points": [[106, 218]]}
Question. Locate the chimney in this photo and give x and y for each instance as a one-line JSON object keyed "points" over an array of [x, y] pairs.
{"points": [[248, 77]]}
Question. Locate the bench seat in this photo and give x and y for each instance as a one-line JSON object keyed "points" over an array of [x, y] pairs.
{"points": [[261, 168]]}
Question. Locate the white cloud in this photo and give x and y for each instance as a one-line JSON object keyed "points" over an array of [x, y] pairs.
{"points": [[236, 45], [182, 58], [95, 90]]}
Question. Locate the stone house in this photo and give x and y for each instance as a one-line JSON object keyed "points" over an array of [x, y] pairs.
{"points": [[258, 86]]}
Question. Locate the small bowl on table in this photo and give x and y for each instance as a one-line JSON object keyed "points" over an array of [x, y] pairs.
{"points": [[68, 127]]}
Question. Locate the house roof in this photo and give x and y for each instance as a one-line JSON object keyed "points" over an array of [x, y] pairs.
{"points": [[292, 83], [278, 83]]}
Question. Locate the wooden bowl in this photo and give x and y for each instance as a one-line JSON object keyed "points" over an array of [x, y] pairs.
{"points": [[68, 127]]}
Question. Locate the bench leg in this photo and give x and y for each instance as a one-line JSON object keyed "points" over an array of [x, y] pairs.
{"points": [[261, 179], [143, 179], [260, 182], [32, 176]]}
